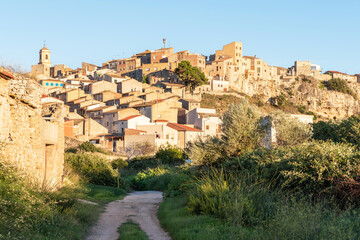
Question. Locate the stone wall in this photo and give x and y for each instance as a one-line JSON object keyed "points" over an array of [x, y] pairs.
{"points": [[33, 145]]}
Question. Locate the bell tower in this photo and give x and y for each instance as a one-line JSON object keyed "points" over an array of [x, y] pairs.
{"points": [[44, 57]]}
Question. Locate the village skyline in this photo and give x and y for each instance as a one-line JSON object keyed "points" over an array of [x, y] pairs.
{"points": [[114, 30]]}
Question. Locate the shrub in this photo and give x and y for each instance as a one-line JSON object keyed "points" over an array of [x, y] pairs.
{"points": [[142, 163], [290, 131], [241, 128], [313, 168], [206, 151], [26, 212], [340, 85], [232, 198], [152, 179], [347, 130], [95, 169], [71, 150], [89, 147], [170, 155]]}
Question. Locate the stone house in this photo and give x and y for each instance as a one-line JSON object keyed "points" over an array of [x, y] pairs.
{"points": [[32, 135], [106, 96], [128, 86], [111, 118], [185, 133], [130, 122], [163, 109], [342, 76], [97, 87], [205, 119], [189, 104], [164, 135]]}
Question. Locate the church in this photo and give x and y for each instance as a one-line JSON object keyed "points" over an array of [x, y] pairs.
{"points": [[43, 68]]}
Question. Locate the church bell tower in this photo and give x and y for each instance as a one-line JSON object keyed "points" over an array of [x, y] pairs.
{"points": [[44, 57]]}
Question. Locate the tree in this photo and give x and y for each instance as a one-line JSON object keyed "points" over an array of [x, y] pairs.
{"points": [[134, 150], [146, 79], [191, 76], [241, 127]]}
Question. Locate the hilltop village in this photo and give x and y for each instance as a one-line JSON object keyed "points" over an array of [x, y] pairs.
{"points": [[140, 99]]}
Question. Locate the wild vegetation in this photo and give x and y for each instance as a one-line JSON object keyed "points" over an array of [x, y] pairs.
{"points": [[190, 76], [305, 187], [339, 85]]}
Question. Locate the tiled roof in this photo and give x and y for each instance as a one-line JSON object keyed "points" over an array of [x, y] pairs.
{"points": [[130, 117], [181, 127], [223, 59], [336, 72], [6, 75]]}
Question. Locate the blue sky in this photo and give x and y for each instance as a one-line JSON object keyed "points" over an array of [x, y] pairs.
{"points": [[280, 32]]}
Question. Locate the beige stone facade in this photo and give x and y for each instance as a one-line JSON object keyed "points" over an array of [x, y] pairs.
{"points": [[32, 136]]}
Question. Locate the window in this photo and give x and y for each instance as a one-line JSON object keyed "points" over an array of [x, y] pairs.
{"points": [[113, 123], [46, 57], [167, 136], [107, 124], [57, 84], [51, 84], [207, 127], [47, 84], [122, 129], [61, 84]]}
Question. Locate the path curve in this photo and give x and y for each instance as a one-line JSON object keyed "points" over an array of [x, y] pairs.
{"points": [[140, 207]]}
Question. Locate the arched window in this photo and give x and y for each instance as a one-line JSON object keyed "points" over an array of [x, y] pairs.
{"points": [[51, 84], [57, 84], [46, 57], [47, 84]]}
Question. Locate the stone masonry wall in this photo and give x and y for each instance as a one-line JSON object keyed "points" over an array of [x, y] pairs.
{"points": [[30, 143]]}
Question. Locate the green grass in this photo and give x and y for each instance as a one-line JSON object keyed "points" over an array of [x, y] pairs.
{"points": [[103, 194], [182, 225], [131, 231]]}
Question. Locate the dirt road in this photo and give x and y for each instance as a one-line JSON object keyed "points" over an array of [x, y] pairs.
{"points": [[140, 207]]}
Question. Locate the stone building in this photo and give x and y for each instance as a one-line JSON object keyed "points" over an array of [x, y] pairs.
{"points": [[43, 68], [31, 133]]}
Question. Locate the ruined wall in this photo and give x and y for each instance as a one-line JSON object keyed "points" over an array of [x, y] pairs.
{"points": [[32, 144]]}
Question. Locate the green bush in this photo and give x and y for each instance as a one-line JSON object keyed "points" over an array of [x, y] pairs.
{"points": [[313, 168], [347, 131], [142, 163], [340, 85], [152, 179], [71, 150], [26, 212], [95, 169], [170, 155], [89, 147], [289, 131]]}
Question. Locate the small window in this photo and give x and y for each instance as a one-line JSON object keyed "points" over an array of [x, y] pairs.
{"points": [[57, 84], [107, 124], [207, 127], [47, 84], [51, 84], [61, 84]]}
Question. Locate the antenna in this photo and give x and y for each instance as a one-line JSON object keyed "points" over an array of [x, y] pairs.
{"points": [[164, 41], [44, 43]]}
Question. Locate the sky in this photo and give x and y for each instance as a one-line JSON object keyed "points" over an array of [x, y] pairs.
{"points": [[280, 32]]}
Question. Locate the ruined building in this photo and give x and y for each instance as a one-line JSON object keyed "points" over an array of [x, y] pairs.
{"points": [[31, 137]]}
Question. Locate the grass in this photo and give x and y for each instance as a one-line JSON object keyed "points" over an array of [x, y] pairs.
{"points": [[182, 225], [103, 194], [131, 231]]}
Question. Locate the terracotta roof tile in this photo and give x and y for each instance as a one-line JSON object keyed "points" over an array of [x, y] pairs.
{"points": [[181, 127], [130, 117]]}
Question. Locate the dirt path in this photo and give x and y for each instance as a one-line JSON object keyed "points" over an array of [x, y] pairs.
{"points": [[140, 207]]}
